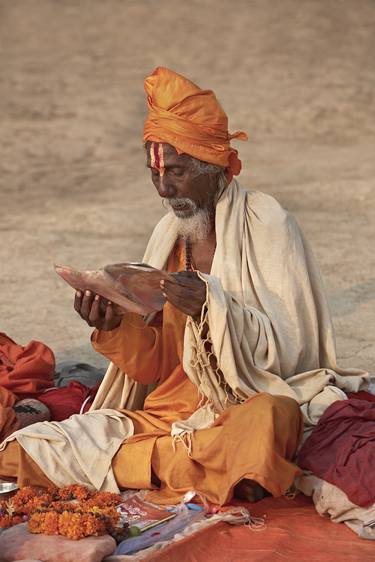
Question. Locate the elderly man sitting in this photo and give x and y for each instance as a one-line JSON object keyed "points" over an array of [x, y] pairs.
{"points": [[241, 355]]}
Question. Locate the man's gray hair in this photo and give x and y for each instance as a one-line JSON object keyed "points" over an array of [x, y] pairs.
{"points": [[199, 167]]}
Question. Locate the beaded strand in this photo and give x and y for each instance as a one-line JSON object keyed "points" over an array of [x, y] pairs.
{"points": [[188, 255]]}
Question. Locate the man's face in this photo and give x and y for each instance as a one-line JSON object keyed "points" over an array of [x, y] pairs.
{"points": [[176, 180]]}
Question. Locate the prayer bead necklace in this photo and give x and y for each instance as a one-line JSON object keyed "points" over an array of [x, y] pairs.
{"points": [[188, 255]]}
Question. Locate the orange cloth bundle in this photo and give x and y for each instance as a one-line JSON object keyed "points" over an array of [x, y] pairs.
{"points": [[190, 119], [25, 370]]}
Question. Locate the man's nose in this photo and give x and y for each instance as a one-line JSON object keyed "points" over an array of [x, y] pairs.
{"points": [[165, 187]]}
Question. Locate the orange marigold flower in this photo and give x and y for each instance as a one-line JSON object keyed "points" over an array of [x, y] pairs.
{"points": [[74, 491], [71, 511], [5, 521], [45, 522], [10, 520], [28, 499], [103, 499]]}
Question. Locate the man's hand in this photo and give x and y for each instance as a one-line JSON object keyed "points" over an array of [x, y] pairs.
{"points": [[96, 311], [187, 292]]}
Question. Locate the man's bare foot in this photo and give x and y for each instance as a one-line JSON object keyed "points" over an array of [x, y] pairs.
{"points": [[154, 479], [249, 490]]}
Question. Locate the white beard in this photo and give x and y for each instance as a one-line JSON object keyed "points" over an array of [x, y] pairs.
{"points": [[195, 226]]}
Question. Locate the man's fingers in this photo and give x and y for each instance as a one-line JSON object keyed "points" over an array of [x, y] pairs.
{"points": [[191, 279], [184, 275], [182, 288], [95, 313], [188, 296], [78, 301], [87, 301], [108, 314], [96, 310], [178, 292], [182, 291], [187, 302], [111, 320]]}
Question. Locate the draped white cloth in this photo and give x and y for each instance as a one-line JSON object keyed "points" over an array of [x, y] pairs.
{"points": [[268, 319], [77, 450], [267, 313]]}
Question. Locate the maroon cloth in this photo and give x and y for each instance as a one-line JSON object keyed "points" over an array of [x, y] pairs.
{"points": [[362, 395], [65, 401], [341, 449]]}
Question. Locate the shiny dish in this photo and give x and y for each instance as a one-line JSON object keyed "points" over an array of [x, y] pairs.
{"points": [[8, 487]]}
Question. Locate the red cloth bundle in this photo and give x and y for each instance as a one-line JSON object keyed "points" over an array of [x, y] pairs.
{"points": [[341, 449], [65, 401]]}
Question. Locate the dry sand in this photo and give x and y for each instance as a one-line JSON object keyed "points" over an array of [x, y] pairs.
{"points": [[297, 75]]}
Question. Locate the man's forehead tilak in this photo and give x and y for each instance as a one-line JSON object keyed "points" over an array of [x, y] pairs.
{"points": [[157, 157]]}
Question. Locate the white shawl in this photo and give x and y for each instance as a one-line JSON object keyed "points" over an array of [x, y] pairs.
{"points": [[268, 318]]}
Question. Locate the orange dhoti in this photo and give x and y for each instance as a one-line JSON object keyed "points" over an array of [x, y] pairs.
{"points": [[255, 440]]}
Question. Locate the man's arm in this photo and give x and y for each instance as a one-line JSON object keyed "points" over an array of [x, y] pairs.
{"points": [[124, 339]]}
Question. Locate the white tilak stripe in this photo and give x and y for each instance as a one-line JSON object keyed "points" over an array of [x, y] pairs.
{"points": [[152, 154], [161, 159]]}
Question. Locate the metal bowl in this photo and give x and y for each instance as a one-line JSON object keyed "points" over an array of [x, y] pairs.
{"points": [[7, 488]]}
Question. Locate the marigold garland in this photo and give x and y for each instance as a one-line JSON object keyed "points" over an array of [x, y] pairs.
{"points": [[71, 511]]}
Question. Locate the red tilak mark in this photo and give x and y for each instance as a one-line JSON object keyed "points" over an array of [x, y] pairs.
{"points": [[157, 157]]}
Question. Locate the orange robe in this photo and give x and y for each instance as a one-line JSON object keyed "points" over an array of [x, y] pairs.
{"points": [[255, 440]]}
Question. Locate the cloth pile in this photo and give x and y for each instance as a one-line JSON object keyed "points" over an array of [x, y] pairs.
{"points": [[31, 391], [25, 371], [340, 453]]}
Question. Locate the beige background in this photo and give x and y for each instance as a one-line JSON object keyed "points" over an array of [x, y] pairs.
{"points": [[297, 75]]}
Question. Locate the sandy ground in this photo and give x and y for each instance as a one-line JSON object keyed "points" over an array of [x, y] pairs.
{"points": [[297, 75]]}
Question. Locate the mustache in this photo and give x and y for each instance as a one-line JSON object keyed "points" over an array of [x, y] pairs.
{"points": [[179, 202]]}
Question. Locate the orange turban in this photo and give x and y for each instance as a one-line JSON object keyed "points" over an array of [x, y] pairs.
{"points": [[189, 119]]}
